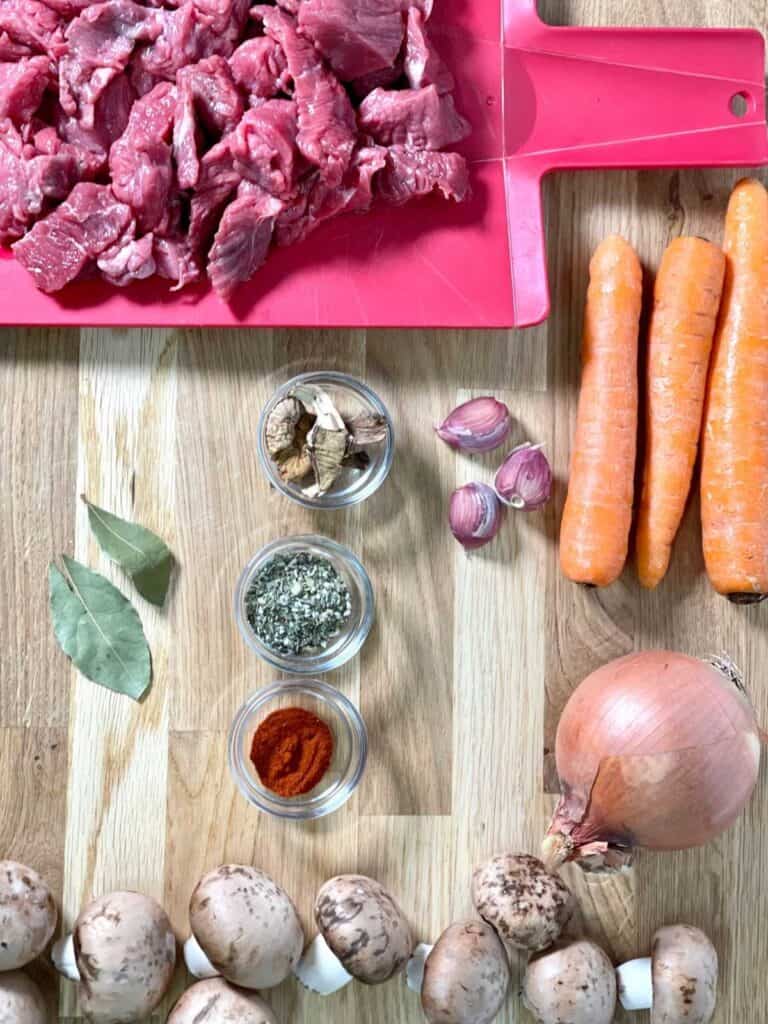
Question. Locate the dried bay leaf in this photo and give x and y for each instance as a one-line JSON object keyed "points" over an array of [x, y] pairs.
{"points": [[99, 629], [138, 551]]}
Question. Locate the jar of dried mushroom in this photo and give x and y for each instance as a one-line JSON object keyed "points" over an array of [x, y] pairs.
{"points": [[326, 440]]}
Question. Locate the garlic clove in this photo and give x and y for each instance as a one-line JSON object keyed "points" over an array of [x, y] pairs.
{"points": [[524, 480], [479, 425], [474, 515]]}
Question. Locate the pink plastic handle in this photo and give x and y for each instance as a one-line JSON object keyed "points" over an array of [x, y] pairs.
{"points": [[581, 98]]}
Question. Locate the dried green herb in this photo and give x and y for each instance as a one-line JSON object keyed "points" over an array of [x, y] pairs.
{"points": [[297, 603], [98, 628], [139, 552]]}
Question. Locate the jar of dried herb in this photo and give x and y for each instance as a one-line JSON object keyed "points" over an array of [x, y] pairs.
{"points": [[305, 604]]}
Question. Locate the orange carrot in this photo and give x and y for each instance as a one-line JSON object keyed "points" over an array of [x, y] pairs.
{"points": [[598, 509], [734, 468], [686, 300]]}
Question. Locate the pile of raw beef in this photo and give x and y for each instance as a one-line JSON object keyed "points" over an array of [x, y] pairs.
{"points": [[179, 140]]}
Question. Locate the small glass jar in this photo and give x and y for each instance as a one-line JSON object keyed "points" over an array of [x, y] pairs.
{"points": [[354, 631], [354, 485], [350, 748]]}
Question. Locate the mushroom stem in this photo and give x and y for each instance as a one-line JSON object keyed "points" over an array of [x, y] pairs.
{"points": [[634, 980], [197, 962], [414, 970], [63, 956], [320, 970]]}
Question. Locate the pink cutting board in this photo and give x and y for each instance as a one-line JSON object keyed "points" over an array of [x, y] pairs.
{"points": [[540, 99]]}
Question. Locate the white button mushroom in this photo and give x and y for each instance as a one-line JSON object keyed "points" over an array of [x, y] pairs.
{"points": [[465, 976], [363, 935], [122, 950], [215, 1001], [516, 895], [21, 1001], [678, 981], [574, 983], [27, 915], [244, 927]]}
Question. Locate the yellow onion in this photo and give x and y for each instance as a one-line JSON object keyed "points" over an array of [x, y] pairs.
{"points": [[656, 749]]}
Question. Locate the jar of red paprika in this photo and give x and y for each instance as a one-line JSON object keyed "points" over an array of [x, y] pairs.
{"points": [[297, 749]]}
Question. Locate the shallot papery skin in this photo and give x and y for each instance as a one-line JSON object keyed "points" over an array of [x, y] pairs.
{"points": [[656, 749]]}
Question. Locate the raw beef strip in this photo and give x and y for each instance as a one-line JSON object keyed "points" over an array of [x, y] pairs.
{"points": [[326, 135], [188, 34], [30, 23], [60, 246], [317, 202], [100, 43], [140, 161], [292, 6], [207, 97], [259, 67], [175, 261], [242, 240], [423, 64], [10, 50], [222, 22], [22, 86], [418, 118], [129, 259], [416, 172], [91, 145], [263, 147], [355, 36], [28, 180], [218, 180], [69, 8], [360, 87]]}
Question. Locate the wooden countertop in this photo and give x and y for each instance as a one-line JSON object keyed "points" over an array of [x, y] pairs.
{"points": [[469, 662]]}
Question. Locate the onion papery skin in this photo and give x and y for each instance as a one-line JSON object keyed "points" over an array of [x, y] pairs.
{"points": [[656, 749]]}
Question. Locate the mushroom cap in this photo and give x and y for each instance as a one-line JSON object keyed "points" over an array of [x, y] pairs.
{"points": [[246, 925], [574, 983], [684, 969], [27, 915], [466, 976], [528, 906], [125, 951], [21, 1001], [215, 1001], [363, 927]]}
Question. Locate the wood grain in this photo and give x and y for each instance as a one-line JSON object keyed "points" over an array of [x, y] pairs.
{"points": [[471, 658]]}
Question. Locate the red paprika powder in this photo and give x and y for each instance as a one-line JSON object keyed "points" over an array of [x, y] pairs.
{"points": [[291, 751]]}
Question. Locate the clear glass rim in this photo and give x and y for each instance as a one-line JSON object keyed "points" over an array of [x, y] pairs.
{"points": [[373, 481], [293, 808], [335, 656]]}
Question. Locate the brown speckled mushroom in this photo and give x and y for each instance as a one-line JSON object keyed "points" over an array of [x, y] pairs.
{"points": [[244, 927], [678, 981], [516, 895], [574, 983], [27, 915], [363, 934], [465, 976], [122, 950], [215, 1001], [21, 1001]]}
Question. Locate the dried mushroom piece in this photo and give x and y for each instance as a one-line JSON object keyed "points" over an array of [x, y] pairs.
{"points": [[294, 463], [281, 425], [327, 449], [366, 429]]}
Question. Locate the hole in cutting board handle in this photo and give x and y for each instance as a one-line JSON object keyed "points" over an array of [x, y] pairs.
{"points": [[740, 103]]}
